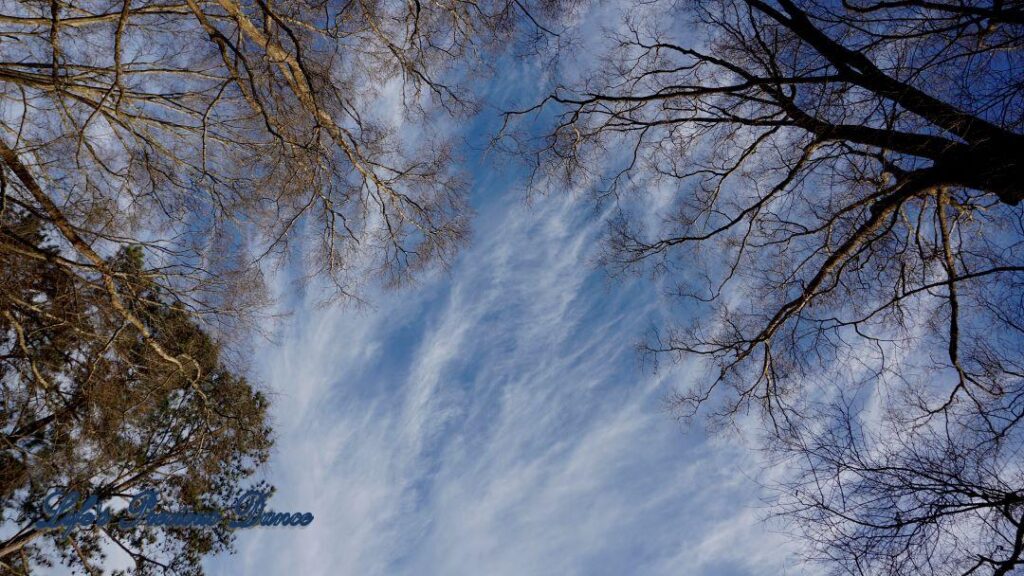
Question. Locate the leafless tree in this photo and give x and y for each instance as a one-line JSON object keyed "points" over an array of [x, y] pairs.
{"points": [[185, 127], [873, 495], [155, 158], [844, 184]]}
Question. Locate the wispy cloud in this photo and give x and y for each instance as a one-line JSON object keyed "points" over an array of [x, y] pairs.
{"points": [[494, 421]]}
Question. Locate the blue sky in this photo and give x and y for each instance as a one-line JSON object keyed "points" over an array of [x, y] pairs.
{"points": [[494, 419]]}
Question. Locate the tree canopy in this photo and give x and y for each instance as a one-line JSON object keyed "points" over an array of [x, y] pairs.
{"points": [[88, 404], [844, 226], [156, 158]]}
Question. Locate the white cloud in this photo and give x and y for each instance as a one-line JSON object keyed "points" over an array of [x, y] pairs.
{"points": [[495, 422]]}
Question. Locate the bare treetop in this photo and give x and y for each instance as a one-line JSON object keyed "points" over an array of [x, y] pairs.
{"points": [[155, 159], [844, 184], [223, 129]]}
